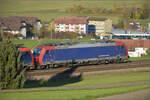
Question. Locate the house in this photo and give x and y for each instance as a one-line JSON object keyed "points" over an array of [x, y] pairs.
{"points": [[99, 25], [84, 25], [71, 24], [138, 52], [19, 25], [135, 26]]}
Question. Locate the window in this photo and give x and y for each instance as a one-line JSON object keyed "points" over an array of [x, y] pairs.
{"points": [[27, 53], [47, 51], [37, 51]]}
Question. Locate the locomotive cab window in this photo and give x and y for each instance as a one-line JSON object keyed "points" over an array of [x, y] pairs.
{"points": [[37, 51], [47, 51], [27, 53]]}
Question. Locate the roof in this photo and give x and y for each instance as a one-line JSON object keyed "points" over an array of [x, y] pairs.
{"points": [[119, 31], [86, 45], [14, 22], [24, 49], [96, 19], [71, 20]]}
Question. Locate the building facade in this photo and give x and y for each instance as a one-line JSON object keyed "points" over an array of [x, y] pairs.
{"points": [[99, 25], [71, 24], [83, 25]]}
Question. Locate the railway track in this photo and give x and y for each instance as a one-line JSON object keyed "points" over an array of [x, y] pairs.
{"points": [[90, 68]]}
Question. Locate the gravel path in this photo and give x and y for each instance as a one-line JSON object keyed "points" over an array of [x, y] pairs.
{"points": [[138, 95]]}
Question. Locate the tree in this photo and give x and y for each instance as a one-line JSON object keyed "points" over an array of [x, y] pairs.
{"points": [[137, 14], [146, 10], [148, 51], [120, 24], [51, 27], [11, 69], [37, 30], [115, 7], [131, 13]]}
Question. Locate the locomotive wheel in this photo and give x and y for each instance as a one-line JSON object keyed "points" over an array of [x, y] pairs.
{"points": [[106, 61], [43, 67], [55, 65], [50, 65], [40, 67]]}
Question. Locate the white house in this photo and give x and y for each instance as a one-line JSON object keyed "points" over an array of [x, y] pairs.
{"points": [[71, 24], [139, 51]]}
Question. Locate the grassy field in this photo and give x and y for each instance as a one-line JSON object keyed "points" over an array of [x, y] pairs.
{"points": [[90, 80], [84, 94], [48, 9], [139, 58]]}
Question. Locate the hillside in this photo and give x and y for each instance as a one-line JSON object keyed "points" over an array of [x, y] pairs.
{"points": [[48, 9]]}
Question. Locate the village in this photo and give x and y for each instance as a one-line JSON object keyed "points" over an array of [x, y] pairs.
{"points": [[100, 27], [77, 26]]}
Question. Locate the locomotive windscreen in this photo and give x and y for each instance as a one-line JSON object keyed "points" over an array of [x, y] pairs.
{"points": [[26, 58], [37, 52]]}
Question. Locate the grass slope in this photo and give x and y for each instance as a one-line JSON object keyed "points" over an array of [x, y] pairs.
{"points": [[139, 58], [90, 80], [83, 94], [48, 9]]}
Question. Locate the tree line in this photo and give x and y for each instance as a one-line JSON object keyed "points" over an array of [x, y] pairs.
{"points": [[133, 12]]}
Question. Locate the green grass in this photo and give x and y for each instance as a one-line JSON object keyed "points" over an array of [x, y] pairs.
{"points": [[81, 94], [90, 80], [139, 58], [113, 78], [48, 9]]}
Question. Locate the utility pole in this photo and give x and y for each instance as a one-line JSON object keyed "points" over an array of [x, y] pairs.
{"points": [[51, 34]]}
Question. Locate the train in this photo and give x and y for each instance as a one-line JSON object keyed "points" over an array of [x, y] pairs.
{"points": [[54, 55]]}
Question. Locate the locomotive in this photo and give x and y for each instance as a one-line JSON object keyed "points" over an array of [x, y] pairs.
{"points": [[26, 57], [48, 55]]}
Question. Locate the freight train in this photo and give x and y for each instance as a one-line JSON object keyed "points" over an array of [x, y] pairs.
{"points": [[53, 55]]}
